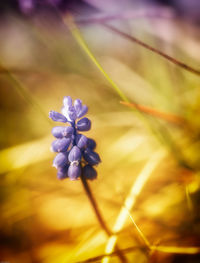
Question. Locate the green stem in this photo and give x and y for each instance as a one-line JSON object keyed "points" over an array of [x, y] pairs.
{"points": [[162, 134]]}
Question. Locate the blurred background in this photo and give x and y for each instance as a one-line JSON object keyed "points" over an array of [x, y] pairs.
{"points": [[153, 149]]}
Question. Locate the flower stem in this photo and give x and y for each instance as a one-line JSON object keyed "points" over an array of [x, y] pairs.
{"points": [[99, 216], [94, 206]]}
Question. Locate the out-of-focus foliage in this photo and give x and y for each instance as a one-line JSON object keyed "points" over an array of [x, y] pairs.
{"points": [[46, 220]]}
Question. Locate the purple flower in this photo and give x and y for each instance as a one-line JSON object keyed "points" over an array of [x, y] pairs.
{"points": [[78, 105], [82, 111], [81, 141], [75, 150], [56, 116], [74, 154], [60, 145], [91, 143], [67, 101], [91, 157], [72, 113], [62, 172], [74, 171], [60, 132], [60, 160], [83, 124]]}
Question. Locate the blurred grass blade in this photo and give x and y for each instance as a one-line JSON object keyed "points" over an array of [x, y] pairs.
{"points": [[75, 32], [130, 200], [154, 12], [157, 130], [177, 250], [125, 250], [154, 112], [164, 249], [25, 154], [158, 52], [139, 231]]}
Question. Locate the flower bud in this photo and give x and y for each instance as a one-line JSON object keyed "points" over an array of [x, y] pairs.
{"points": [[91, 157], [57, 132], [83, 124], [82, 111], [74, 154], [81, 141], [74, 171], [72, 113], [60, 145], [67, 101], [62, 172], [68, 131], [91, 143], [56, 116], [60, 132], [89, 172], [77, 105], [60, 160]]}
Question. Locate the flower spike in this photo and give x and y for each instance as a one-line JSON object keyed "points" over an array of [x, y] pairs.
{"points": [[75, 151]]}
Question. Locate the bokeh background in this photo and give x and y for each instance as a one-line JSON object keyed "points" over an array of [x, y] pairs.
{"points": [[46, 220]]}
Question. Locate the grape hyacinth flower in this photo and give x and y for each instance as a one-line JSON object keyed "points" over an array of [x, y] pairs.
{"points": [[76, 153]]}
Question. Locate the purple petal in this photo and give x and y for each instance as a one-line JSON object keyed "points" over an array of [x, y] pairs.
{"points": [[60, 145], [56, 116], [74, 171], [60, 132], [68, 131], [74, 154], [62, 172], [91, 157], [72, 113], [67, 101], [89, 172], [77, 105], [60, 160], [83, 124], [82, 112], [57, 132], [81, 141], [91, 143]]}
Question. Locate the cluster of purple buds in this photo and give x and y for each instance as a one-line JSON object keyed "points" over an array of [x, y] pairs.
{"points": [[76, 153]]}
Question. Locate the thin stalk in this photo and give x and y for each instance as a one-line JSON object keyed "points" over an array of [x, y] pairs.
{"points": [[164, 249], [158, 52], [156, 113], [124, 250], [98, 215], [162, 134], [75, 32], [145, 240], [94, 206], [154, 13]]}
